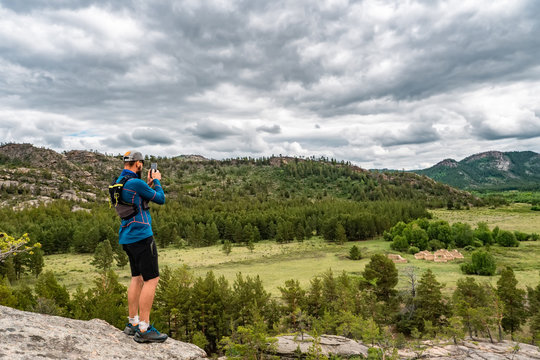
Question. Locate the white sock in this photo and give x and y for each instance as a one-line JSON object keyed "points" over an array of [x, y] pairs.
{"points": [[143, 326], [134, 320]]}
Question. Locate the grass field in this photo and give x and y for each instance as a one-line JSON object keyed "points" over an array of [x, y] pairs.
{"points": [[276, 263]]}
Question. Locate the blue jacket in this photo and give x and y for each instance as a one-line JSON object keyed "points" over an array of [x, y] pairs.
{"points": [[135, 191]]}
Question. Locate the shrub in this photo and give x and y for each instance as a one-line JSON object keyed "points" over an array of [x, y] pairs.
{"points": [[507, 239], [354, 253], [483, 263], [477, 243], [413, 250], [400, 243], [483, 233], [521, 236], [434, 245], [462, 234]]}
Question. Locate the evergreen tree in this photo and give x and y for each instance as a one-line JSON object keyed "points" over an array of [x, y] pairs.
{"points": [[513, 299], [354, 253], [121, 258], [47, 287], [227, 247], [211, 234], [103, 256], [383, 272], [429, 301], [467, 299], [341, 236]]}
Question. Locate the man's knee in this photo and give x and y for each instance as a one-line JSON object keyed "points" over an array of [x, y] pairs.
{"points": [[153, 281]]}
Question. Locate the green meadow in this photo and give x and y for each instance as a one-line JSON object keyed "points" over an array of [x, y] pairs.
{"points": [[276, 263]]}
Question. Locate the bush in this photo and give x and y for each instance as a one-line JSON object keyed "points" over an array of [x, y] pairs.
{"points": [[434, 245], [354, 253], [400, 243], [521, 236], [413, 250], [483, 263], [469, 248], [477, 243], [507, 239]]}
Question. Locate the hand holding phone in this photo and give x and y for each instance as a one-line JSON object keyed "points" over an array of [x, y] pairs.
{"points": [[153, 173]]}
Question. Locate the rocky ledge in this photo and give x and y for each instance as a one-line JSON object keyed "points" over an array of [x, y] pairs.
{"points": [[26, 335], [288, 347]]}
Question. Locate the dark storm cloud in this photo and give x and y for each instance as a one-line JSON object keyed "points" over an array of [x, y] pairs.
{"points": [[211, 130], [525, 130], [271, 129], [413, 134], [152, 136]]}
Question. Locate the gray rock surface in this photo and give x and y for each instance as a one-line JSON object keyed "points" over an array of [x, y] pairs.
{"points": [[26, 335], [337, 345], [330, 344]]}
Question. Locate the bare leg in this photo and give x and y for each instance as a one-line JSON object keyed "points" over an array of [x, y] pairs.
{"points": [[146, 299], [134, 293]]}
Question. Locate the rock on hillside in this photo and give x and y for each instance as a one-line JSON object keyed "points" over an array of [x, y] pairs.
{"points": [[288, 347], [26, 335]]}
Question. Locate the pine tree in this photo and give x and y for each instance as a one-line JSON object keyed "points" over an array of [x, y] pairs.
{"points": [[227, 247], [354, 253], [429, 302], [513, 299], [383, 272], [103, 256], [341, 235]]}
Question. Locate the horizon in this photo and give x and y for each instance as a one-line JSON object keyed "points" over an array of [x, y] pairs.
{"points": [[268, 156]]}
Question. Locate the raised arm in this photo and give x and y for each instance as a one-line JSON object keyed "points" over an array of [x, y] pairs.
{"points": [[146, 192]]}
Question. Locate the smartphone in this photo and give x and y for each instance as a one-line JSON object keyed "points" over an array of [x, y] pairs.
{"points": [[153, 167]]}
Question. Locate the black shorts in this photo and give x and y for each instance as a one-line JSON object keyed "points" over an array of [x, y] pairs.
{"points": [[143, 258]]}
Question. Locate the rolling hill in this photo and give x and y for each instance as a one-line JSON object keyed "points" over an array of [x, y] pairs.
{"points": [[29, 175]]}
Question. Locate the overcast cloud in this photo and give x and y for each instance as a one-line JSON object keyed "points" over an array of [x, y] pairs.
{"points": [[396, 84]]}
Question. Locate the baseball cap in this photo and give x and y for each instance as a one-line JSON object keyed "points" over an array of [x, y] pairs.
{"points": [[133, 156]]}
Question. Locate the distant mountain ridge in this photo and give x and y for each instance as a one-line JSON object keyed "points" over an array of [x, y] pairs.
{"points": [[490, 170]]}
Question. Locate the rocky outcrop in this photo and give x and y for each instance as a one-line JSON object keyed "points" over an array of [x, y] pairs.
{"points": [[26, 335], [288, 347]]}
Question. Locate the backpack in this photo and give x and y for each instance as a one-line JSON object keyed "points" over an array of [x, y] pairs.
{"points": [[124, 210]]}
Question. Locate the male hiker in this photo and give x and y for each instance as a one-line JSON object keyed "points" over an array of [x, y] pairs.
{"points": [[130, 196]]}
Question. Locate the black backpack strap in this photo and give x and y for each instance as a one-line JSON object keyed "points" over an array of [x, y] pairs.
{"points": [[124, 210]]}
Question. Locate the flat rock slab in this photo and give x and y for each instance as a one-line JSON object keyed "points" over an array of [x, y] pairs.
{"points": [[27, 335], [484, 350], [330, 344], [287, 348]]}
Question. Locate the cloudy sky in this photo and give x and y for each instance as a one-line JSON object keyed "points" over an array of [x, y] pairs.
{"points": [[396, 84]]}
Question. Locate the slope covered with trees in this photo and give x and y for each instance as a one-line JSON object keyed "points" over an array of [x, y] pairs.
{"points": [[493, 170]]}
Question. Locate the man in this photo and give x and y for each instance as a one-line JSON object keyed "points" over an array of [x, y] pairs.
{"points": [[136, 238]]}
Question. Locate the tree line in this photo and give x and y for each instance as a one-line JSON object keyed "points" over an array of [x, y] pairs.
{"points": [[203, 222]]}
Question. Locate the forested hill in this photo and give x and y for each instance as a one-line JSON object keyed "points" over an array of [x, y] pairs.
{"points": [[29, 174], [492, 170], [209, 201]]}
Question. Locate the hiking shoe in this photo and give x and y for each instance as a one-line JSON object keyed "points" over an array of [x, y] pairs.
{"points": [[150, 335], [130, 329]]}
